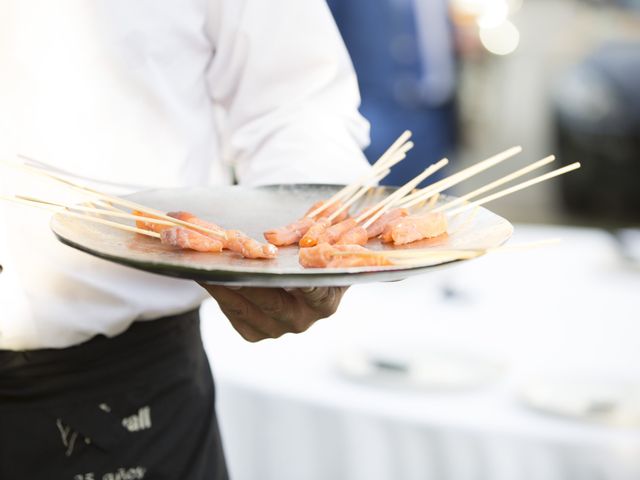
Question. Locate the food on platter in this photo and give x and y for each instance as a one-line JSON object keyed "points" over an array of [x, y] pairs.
{"points": [[392, 228]]}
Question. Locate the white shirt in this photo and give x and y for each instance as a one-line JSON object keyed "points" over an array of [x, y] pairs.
{"points": [[158, 93]]}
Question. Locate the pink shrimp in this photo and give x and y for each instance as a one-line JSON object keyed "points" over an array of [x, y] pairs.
{"points": [[248, 247], [324, 255], [359, 260], [415, 227], [377, 227], [191, 218], [190, 239], [290, 234], [236, 241], [152, 227], [356, 236], [295, 231], [334, 232], [310, 239]]}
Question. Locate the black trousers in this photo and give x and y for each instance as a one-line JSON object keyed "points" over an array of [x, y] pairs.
{"points": [[137, 406]]}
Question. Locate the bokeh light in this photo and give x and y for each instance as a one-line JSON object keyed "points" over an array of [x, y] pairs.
{"points": [[501, 40]]}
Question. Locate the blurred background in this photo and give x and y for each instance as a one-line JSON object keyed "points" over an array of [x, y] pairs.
{"points": [[516, 366]]}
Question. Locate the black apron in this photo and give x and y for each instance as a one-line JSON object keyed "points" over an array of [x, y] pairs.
{"points": [[137, 406]]}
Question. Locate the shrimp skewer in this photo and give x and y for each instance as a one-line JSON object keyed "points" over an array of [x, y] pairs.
{"points": [[190, 240], [294, 232], [324, 256], [336, 208], [377, 227], [235, 240], [410, 229]]}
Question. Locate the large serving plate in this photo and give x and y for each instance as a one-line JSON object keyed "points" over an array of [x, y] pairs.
{"points": [[254, 210]]}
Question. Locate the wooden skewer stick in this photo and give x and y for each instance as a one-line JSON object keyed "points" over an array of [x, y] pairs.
{"points": [[117, 200], [408, 254], [497, 183], [99, 211], [427, 205], [399, 193], [353, 188], [396, 196], [399, 155], [57, 172], [456, 178], [516, 188], [108, 206], [395, 146], [53, 208], [380, 164], [358, 195]]}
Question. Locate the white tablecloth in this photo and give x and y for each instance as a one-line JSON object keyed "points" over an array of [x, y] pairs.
{"points": [[287, 413]]}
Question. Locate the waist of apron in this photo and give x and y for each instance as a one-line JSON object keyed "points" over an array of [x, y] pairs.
{"points": [[149, 351]]}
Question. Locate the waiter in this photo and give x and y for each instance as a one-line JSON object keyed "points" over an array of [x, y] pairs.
{"points": [[104, 376]]}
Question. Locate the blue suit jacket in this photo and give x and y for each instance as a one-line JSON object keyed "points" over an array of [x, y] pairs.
{"points": [[381, 38]]}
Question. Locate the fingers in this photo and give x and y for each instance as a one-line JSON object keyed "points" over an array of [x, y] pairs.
{"points": [[324, 300], [259, 313], [279, 305], [248, 320]]}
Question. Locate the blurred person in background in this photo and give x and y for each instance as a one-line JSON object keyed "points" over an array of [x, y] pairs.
{"points": [[105, 375], [403, 53]]}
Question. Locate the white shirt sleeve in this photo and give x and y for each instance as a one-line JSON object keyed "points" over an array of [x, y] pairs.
{"points": [[288, 92]]}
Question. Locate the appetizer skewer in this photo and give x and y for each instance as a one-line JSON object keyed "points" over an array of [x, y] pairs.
{"points": [[332, 238], [335, 209]]}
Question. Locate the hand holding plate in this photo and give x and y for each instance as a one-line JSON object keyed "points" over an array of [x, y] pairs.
{"points": [[260, 313]]}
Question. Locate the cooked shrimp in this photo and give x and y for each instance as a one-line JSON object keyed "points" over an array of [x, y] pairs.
{"points": [[191, 218], [236, 241], [320, 255], [359, 260], [248, 247], [324, 256], [189, 239], [290, 234], [327, 212], [153, 227], [295, 231], [310, 239], [334, 232], [415, 227], [377, 227], [356, 236]]}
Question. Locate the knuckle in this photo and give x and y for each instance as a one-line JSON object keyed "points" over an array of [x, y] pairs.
{"points": [[300, 325], [249, 335], [274, 307], [237, 310], [328, 305]]}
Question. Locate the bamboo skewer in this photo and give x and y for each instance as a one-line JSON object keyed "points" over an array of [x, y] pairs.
{"points": [[417, 254], [354, 188], [52, 208], [117, 200], [99, 211], [357, 196], [516, 188], [456, 178], [497, 183], [381, 207], [388, 158]]}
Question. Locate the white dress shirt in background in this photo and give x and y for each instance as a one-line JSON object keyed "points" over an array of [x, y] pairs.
{"points": [[158, 93]]}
